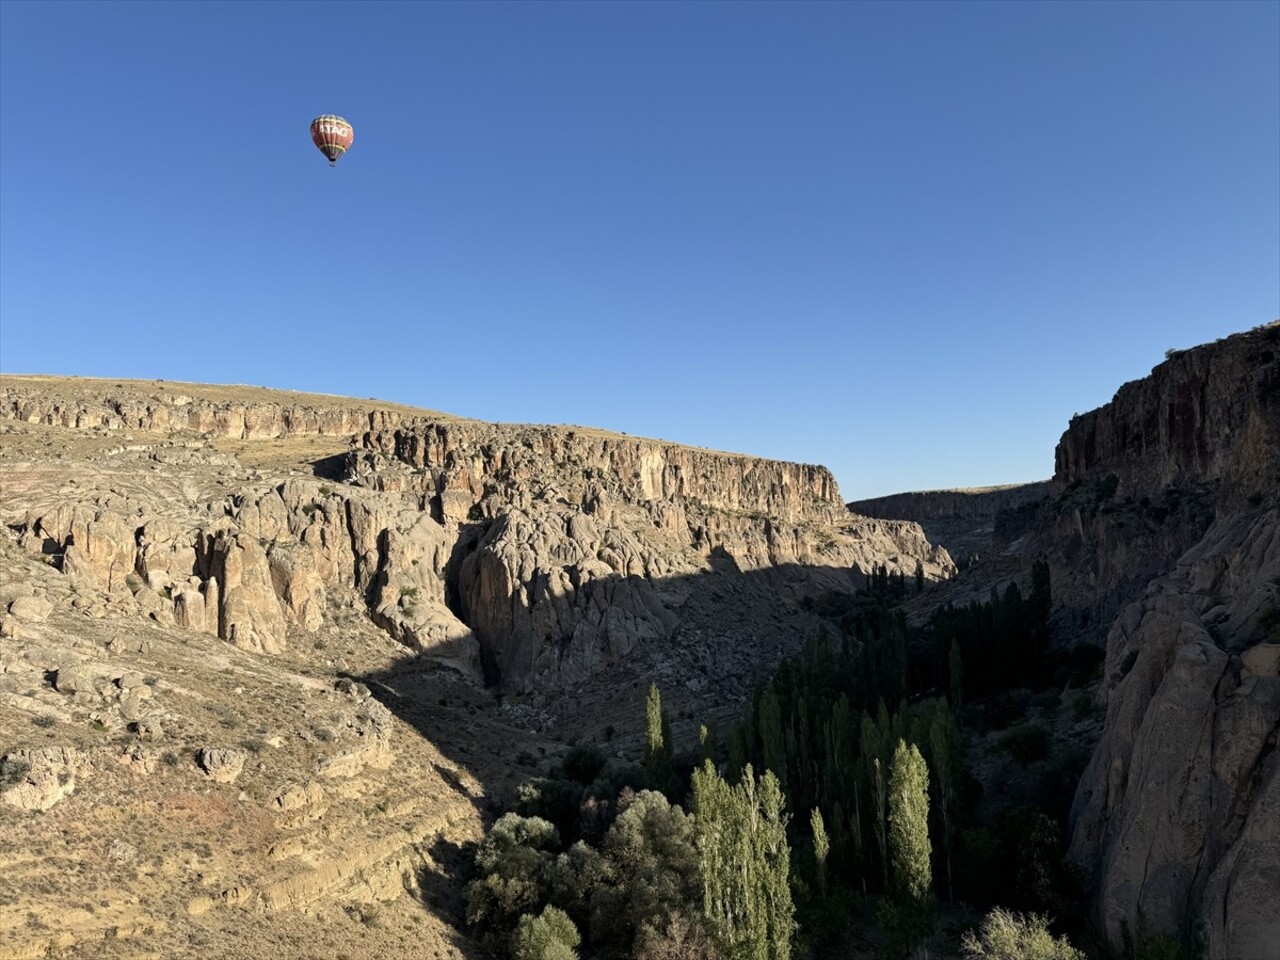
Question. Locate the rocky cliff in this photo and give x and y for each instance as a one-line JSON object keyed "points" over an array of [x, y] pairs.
{"points": [[963, 521], [572, 545], [207, 595], [1204, 416], [1177, 818], [542, 554], [239, 413]]}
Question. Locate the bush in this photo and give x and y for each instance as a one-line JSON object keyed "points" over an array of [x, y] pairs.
{"points": [[12, 772], [1007, 707], [1084, 705], [1034, 873], [513, 865], [557, 801], [1026, 743], [678, 939], [1161, 946], [549, 936], [1008, 936], [583, 764]]}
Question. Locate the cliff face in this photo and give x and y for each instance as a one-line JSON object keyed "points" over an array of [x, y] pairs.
{"points": [[164, 408], [471, 456], [539, 556], [193, 579], [963, 521], [575, 546], [1207, 415], [1176, 817]]}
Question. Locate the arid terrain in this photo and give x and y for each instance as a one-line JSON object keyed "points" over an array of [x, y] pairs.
{"points": [[270, 662], [243, 693]]}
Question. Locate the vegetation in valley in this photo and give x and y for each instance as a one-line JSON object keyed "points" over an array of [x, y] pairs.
{"points": [[847, 799]]}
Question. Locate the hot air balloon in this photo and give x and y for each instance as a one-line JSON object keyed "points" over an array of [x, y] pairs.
{"points": [[332, 135]]}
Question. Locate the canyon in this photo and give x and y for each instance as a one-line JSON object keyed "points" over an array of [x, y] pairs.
{"points": [[269, 662]]}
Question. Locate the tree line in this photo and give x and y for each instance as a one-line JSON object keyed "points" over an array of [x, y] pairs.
{"points": [[843, 793]]}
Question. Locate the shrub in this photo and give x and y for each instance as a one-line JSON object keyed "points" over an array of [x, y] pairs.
{"points": [[1034, 873], [678, 939], [1009, 936], [549, 936], [1026, 743], [1084, 705], [1161, 946], [12, 772], [583, 764], [556, 801], [513, 864]]}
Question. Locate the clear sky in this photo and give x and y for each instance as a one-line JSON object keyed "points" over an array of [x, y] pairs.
{"points": [[906, 240]]}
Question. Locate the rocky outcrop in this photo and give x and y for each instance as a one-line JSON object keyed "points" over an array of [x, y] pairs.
{"points": [[221, 764], [476, 458], [37, 778], [1177, 808], [581, 543], [249, 612], [1140, 480], [1206, 415], [962, 521], [166, 409], [1175, 819], [545, 554]]}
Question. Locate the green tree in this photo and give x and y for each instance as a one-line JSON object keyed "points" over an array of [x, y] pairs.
{"points": [[942, 742], [513, 866], [772, 739], [575, 877], [919, 576], [1008, 936], [877, 789], [906, 910], [659, 751], [707, 741], [746, 864], [549, 936], [955, 670], [654, 868], [821, 847]]}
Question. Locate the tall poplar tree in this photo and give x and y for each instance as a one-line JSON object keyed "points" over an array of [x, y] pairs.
{"points": [[942, 742], [746, 863], [821, 847], [659, 752], [772, 739], [906, 912]]}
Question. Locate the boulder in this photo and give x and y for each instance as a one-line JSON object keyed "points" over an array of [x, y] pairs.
{"points": [[38, 778], [31, 609], [221, 764]]}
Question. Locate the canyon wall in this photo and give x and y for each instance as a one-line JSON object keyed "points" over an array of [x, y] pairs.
{"points": [[1176, 820]]}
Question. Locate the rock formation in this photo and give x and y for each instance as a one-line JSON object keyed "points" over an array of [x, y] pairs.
{"points": [[543, 552], [1177, 818], [192, 579], [962, 521], [573, 533]]}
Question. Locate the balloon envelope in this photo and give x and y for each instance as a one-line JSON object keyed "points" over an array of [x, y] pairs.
{"points": [[332, 135]]}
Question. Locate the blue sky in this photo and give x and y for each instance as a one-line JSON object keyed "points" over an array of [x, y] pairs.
{"points": [[907, 241]]}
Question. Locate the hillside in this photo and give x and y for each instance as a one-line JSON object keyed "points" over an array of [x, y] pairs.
{"points": [[1161, 528], [271, 663], [273, 656]]}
